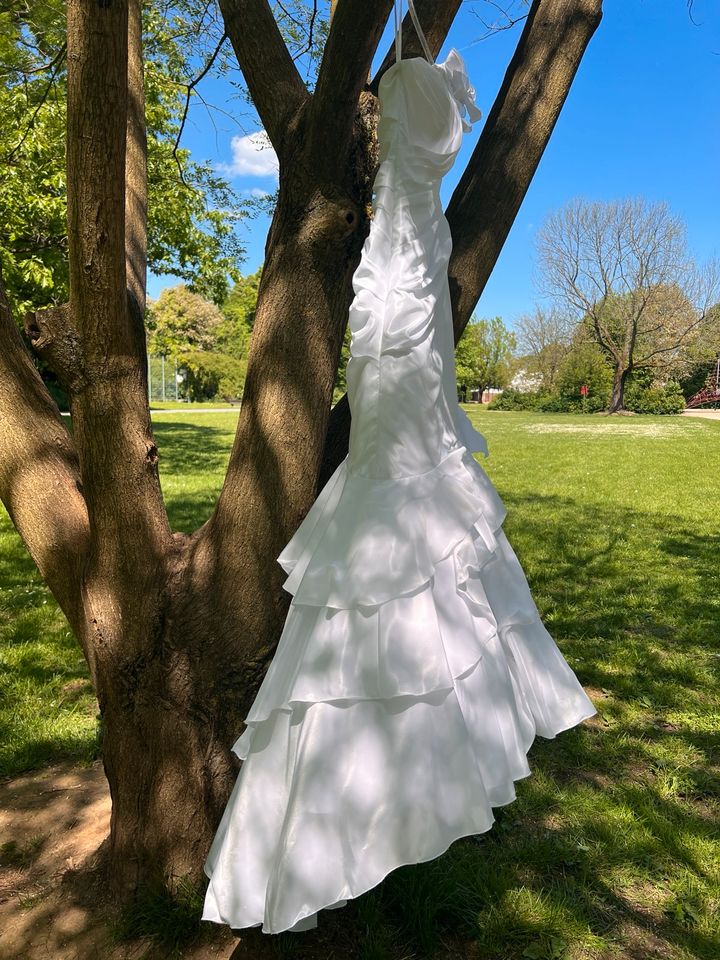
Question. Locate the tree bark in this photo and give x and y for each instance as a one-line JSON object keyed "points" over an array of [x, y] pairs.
{"points": [[136, 163], [617, 398], [147, 678], [178, 629], [40, 482]]}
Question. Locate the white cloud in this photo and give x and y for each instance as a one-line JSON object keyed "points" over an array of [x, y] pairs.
{"points": [[253, 156]]}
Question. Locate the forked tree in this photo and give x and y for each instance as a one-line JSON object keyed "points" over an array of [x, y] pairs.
{"points": [[622, 268], [178, 628]]}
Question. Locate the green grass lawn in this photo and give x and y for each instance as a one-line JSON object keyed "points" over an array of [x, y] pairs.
{"points": [[189, 407], [612, 848]]}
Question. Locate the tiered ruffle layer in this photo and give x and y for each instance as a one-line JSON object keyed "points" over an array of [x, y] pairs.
{"points": [[411, 678]]}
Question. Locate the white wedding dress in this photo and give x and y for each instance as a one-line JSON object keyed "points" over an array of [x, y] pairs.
{"points": [[413, 672]]}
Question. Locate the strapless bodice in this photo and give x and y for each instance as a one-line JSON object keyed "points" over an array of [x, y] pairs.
{"points": [[423, 109]]}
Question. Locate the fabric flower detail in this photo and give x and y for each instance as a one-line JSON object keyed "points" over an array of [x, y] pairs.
{"points": [[462, 89]]}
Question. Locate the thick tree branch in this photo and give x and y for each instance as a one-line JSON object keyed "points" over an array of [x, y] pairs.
{"points": [[111, 421], [435, 19], [355, 31], [136, 162], [276, 88], [55, 340], [96, 143], [39, 472], [488, 196]]}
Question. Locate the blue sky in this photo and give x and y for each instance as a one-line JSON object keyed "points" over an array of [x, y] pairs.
{"points": [[642, 118]]}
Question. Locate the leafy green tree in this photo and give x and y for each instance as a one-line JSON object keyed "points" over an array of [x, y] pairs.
{"points": [[210, 375], [180, 320], [238, 310], [483, 355], [192, 211], [585, 365]]}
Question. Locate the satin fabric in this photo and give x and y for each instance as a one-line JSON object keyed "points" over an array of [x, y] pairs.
{"points": [[413, 671]]}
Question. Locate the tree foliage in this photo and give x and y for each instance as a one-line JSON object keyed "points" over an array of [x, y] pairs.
{"points": [[206, 376], [585, 365], [654, 398], [238, 311], [341, 375], [181, 320], [483, 355], [192, 210]]}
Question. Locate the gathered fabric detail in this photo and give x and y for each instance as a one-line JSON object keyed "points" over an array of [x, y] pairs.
{"points": [[461, 88], [367, 540]]}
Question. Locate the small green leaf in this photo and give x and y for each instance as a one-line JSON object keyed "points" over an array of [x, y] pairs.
{"points": [[534, 952]]}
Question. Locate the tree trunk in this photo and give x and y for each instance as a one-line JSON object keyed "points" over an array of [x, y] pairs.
{"points": [[178, 629], [620, 376]]}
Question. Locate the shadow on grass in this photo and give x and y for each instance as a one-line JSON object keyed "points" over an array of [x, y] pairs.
{"points": [[184, 441], [193, 461]]}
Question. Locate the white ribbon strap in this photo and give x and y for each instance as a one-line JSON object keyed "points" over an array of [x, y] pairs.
{"points": [[398, 30], [418, 29]]}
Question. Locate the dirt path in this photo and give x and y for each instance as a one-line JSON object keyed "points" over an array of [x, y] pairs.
{"points": [[708, 414], [52, 821]]}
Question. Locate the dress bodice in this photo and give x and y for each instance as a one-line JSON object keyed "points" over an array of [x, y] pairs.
{"points": [[422, 115], [401, 380]]}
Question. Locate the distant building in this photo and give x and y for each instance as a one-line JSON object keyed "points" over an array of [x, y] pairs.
{"points": [[474, 397]]}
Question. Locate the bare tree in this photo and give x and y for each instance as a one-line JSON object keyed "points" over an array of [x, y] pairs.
{"points": [[624, 270], [544, 336], [178, 628]]}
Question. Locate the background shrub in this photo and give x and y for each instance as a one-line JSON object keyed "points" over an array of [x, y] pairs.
{"points": [[668, 399], [585, 366], [514, 400], [210, 375]]}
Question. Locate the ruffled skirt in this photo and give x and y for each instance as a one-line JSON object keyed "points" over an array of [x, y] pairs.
{"points": [[411, 678]]}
